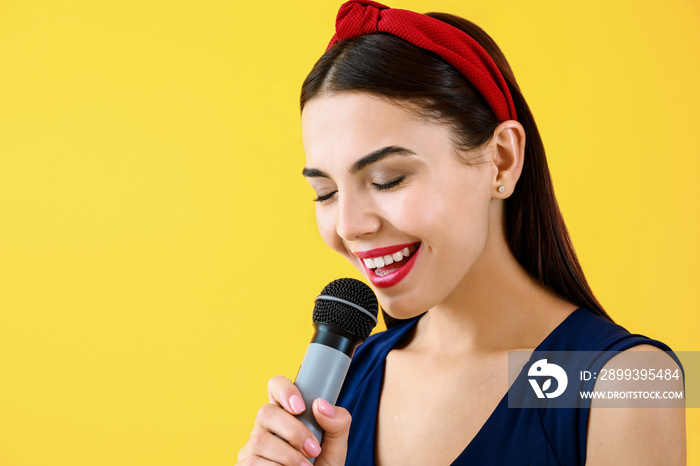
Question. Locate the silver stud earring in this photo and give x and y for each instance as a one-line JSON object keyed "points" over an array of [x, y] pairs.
{"points": [[501, 189]]}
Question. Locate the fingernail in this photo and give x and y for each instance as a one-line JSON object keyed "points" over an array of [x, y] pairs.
{"points": [[305, 463], [297, 404], [326, 408], [312, 448]]}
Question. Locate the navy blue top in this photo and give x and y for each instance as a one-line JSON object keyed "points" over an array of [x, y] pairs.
{"points": [[510, 436]]}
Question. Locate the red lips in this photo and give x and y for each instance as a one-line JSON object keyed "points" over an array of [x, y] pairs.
{"points": [[394, 277]]}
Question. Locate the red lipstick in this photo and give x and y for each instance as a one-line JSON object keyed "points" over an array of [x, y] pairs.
{"points": [[397, 275]]}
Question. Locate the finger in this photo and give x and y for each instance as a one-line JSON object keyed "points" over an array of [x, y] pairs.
{"points": [[246, 458], [273, 419], [335, 421], [281, 391], [264, 447]]}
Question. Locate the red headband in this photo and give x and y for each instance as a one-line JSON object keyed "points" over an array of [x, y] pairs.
{"points": [[361, 17]]}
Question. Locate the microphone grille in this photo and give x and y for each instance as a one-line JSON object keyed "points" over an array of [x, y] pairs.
{"points": [[346, 316]]}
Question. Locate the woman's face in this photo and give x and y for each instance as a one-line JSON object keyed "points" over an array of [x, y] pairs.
{"points": [[394, 198]]}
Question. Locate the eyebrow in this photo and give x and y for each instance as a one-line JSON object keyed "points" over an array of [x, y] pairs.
{"points": [[369, 159]]}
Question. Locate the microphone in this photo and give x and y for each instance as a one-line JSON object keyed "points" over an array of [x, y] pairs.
{"points": [[344, 315]]}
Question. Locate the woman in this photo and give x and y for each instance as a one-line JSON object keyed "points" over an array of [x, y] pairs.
{"points": [[431, 179]]}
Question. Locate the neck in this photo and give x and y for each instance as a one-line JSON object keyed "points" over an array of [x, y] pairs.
{"points": [[498, 306]]}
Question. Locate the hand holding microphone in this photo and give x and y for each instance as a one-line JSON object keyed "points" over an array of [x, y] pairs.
{"points": [[299, 417]]}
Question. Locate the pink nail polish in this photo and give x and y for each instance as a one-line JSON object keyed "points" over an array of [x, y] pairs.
{"points": [[326, 408], [312, 448], [297, 404]]}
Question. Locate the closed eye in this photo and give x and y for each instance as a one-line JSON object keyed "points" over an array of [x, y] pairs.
{"points": [[391, 184], [325, 197], [378, 186]]}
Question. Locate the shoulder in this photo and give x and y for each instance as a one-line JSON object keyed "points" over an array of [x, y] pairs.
{"points": [[615, 431], [640, 418], [584, 330]]}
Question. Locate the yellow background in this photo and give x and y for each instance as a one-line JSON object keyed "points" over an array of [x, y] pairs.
{"points": [[158, 252]]}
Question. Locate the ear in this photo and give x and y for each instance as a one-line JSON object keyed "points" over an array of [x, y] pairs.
{"points": [[508, 153]]}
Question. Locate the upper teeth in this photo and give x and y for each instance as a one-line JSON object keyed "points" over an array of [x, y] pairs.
{"points": [[381, 261]]}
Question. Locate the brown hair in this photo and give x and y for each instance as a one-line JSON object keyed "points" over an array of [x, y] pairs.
{"points": [[422, 82]]}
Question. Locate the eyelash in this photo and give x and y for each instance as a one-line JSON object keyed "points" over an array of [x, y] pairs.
{"points": [[390, 185], [325, 197], [378, 186]]}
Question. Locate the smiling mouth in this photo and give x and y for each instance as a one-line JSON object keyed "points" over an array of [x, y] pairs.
{"points": [[387, 264]]}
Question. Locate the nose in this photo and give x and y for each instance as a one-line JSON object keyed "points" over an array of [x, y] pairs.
{"points": [[356, 218]]}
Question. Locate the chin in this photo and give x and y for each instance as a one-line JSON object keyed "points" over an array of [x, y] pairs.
{"points": [[400, 308]]}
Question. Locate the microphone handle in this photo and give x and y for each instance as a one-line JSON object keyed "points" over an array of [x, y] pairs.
{"points": [[321, 375]]}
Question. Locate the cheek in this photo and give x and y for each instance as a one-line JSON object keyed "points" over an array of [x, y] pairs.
{"points": [[456, 217], [470, 222]]}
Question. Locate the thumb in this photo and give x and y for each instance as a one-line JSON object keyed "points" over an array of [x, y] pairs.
{"points": [[335, 422]]}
